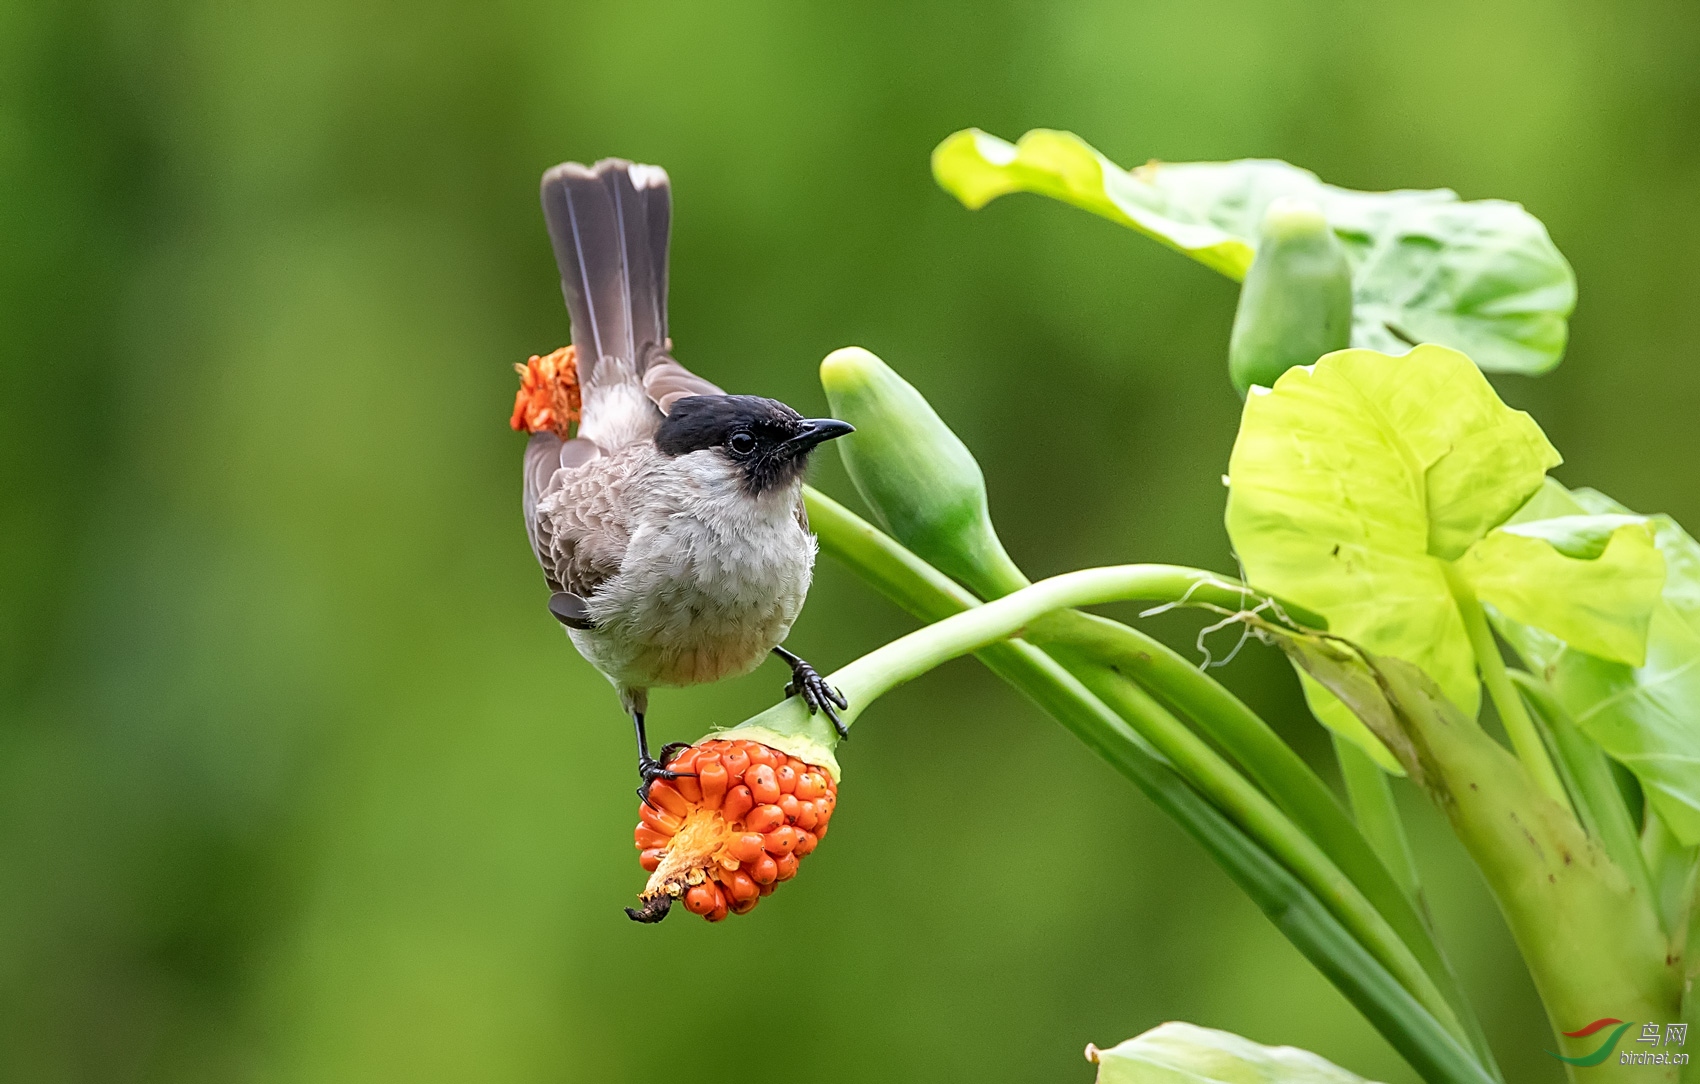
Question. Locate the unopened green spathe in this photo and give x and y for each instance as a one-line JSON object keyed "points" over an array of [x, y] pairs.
{"points": [[1296, 304], [921, 482]]}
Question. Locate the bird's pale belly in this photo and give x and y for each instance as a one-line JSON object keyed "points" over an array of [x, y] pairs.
{"points": [[694, 625], [682, 642]]}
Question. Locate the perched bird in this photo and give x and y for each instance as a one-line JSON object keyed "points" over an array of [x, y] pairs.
{"points": [[671, 528]]}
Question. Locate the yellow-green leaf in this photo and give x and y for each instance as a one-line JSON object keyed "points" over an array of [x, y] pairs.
{"points": [[1607, 598], [1643, 715], [1355, 480]]}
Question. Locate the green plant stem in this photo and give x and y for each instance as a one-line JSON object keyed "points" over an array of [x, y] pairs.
{"points": [[1107, 656], [1378, 816], [1598, 800], [1226, 720], [1524, 737], [908, 657], [1100, 651], [1241, 732], [1432, 1048], [1248, 807], [1429, 1046]]}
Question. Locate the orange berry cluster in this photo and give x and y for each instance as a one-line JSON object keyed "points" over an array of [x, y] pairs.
{"points": [[548, 395], [726, 836]]}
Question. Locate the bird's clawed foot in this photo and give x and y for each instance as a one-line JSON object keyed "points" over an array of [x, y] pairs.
{"points": [[671, 750], [817, 695], [650, 769]]}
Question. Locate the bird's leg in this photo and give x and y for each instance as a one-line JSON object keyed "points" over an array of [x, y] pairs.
{"points": [[816, 693], [650, 769]]}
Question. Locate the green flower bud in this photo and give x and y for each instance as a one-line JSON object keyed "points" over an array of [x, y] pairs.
{"points": [[919, 479], [1296, 303]]}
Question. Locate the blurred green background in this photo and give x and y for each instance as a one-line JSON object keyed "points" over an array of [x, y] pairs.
{"points": [[298, 779]]}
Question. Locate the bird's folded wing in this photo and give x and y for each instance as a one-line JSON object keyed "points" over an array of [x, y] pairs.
{"points": [[570, 515]]}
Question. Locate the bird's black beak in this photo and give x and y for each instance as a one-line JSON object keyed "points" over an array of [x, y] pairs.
{"points": [[817, 431]]}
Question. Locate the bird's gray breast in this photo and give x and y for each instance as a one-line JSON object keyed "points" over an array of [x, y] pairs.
{"points": [[711, 580]]}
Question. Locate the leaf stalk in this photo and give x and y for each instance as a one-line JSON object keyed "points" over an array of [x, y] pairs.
{"points": [[1521, 729]]}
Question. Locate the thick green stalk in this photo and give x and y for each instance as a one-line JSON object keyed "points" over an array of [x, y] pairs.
{"points": [[1524, 737], [1099, 650], [1592, 942], [928, 594], [1691, 974], [1598, 800], [1228, 722], [1378, 816]]}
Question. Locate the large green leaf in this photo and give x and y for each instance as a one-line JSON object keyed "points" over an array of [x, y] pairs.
{"points": [[1646, 717], [1480, 276], [1177, 1053], [1354, 481], [1368, 488]]}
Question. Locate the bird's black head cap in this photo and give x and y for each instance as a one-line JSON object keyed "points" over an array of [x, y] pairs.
{"points": [[766, 439]]}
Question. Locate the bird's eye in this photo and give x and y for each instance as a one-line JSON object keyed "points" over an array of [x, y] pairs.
{"points": [[741, 443]]}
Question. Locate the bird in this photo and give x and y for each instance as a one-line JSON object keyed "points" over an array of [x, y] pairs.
{"points": [[670, 528]]}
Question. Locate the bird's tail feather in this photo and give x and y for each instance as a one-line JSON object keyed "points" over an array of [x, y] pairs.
{"points": [[608, 224]]}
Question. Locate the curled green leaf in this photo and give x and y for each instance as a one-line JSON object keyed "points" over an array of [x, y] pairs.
{"points": [[1481, 276], [977, 168]]}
